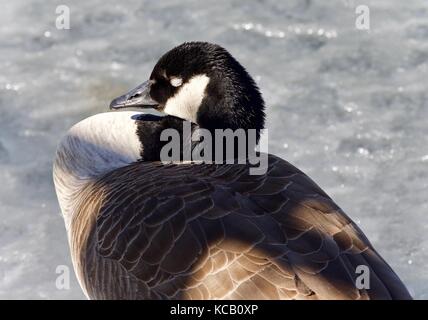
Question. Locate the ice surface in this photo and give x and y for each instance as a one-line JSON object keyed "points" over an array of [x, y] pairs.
{"points": [[349, 107]]}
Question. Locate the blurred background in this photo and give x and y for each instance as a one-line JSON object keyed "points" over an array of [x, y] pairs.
{"points": [[347, 106]]}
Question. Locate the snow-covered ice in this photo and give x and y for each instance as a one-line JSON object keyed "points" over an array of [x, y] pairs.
{"points": [[349, 107]]}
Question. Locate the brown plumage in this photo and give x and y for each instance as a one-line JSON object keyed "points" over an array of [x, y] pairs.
{"points": [[199, 231], [140, 229]]}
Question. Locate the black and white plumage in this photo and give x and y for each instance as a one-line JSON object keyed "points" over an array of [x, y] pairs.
{"points": [[140, 229]]}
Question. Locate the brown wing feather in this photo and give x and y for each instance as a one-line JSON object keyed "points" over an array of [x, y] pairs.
{"points": [[215, 232]]}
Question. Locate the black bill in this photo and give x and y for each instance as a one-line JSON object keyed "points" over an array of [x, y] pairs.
{"points": [[136, 98]]}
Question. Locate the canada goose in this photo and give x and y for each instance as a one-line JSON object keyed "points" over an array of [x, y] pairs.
{"points": [[141, 229]]}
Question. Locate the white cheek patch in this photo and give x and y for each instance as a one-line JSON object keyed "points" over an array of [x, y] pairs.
{"points": [[186, 102]]}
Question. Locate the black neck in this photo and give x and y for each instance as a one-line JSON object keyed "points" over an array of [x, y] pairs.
{"points": [[232, 101], [150, 128]]}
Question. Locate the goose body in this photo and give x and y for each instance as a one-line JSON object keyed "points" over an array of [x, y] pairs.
{"points": [[142, 229]]}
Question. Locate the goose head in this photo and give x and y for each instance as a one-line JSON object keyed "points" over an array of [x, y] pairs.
{"points": [[202, 83]]}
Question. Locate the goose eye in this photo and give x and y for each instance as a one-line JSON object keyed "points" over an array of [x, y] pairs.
{"points": [[176, 82]]}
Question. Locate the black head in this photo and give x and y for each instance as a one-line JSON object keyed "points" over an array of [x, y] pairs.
{"points": [[202, 83]]}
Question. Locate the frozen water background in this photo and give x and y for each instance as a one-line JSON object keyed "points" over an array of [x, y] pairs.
{"points": [[349, 107]]}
